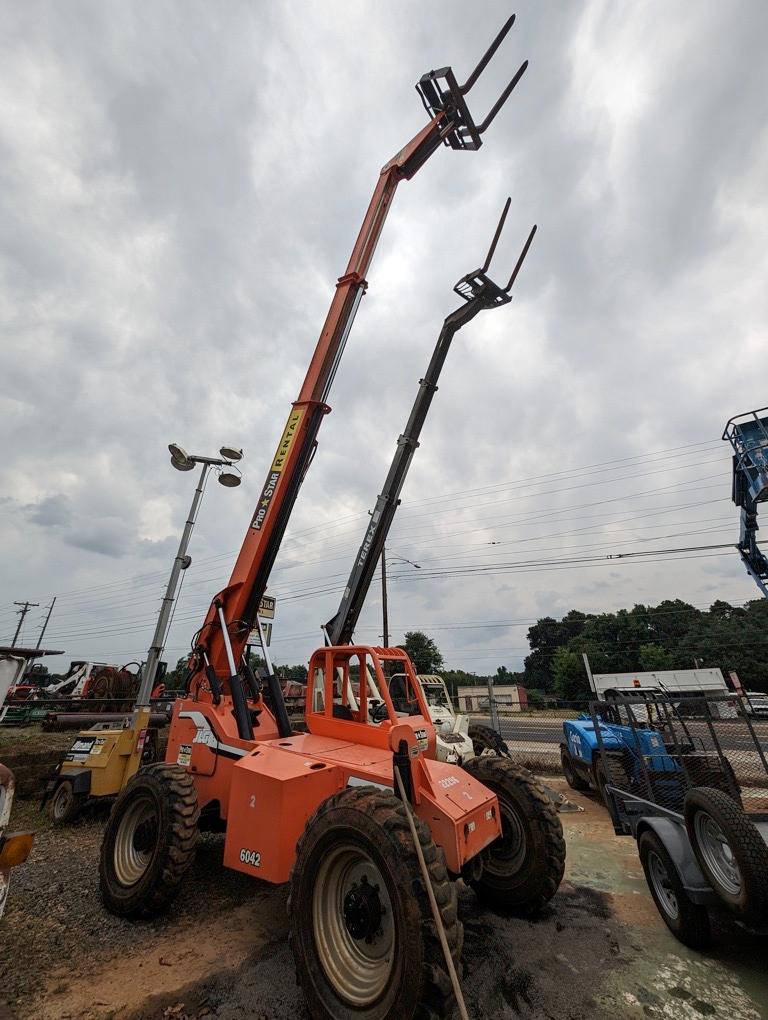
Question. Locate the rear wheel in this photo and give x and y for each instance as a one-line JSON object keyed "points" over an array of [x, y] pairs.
{"points": [[688, 921], [730, 851], [610, 770], [361, 929], [572, 777], [487, 741], [149, 842], [523, 868]]}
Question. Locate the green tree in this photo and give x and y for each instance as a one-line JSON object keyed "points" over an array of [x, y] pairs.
{"points": [[535, 698], [545, 637], [423, 652], [654, 657], [174, 678], [569, 675]]}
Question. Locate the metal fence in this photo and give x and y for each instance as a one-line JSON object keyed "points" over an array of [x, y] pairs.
{"points": [[532, 736]]}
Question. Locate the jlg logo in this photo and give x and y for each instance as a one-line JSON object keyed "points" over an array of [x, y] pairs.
{"points": [[251, 857], [448, 782]]}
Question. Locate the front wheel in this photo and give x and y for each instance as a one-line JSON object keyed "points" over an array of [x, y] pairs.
{"points": [[730, 851], [688, 921], [523, 868], [361, 929], [149, 842], [64, 806]]}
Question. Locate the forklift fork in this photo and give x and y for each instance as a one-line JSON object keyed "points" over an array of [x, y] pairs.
{"points": [[478, 285], [441, 93]]}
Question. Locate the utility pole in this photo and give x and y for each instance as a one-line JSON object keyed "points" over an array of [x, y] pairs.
{"points": [[385, 617], [25, 608], [40, 636], [45, 625]]}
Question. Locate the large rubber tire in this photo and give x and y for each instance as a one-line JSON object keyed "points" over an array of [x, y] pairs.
{"points": [[363, 833], [688, 921], [149, 842], [65, 805], [485, 739], [572, 777], [614, 775], [522, 870], [730, 851]]}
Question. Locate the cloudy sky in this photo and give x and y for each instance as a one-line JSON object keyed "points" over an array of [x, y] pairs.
{"points": [[180, 187]]}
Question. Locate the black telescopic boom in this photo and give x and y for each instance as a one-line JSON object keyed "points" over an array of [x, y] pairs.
{"points": [[478, 292]]}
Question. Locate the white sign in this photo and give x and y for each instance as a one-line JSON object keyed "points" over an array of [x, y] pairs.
{"points": [[253, 637]]}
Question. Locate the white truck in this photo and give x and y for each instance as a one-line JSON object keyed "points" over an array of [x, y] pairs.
{"points": [[685, 684]]}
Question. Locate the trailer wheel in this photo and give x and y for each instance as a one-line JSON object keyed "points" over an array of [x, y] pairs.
{"points": [[730, 851], [688, 921], [485, 740], [572, 777], [361, 928], [149, 842], [65, 805], [523, 868]]}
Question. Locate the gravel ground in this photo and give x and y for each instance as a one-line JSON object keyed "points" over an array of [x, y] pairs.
{"points": [[541, 969], [55, 925], [598, 952]]}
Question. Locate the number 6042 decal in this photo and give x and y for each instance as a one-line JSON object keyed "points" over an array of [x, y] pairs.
{"points": [[252, 857]]}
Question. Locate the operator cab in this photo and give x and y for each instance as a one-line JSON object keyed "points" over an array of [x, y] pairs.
{"points": [[362, 692]]}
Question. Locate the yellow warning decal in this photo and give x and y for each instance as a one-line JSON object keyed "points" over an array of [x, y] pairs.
{"points": [[283, 449], [289, 434]]}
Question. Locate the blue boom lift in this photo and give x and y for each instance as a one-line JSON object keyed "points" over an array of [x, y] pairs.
{"points": [[748, 435]]}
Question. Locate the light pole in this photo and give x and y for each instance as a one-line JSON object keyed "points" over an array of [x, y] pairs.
{"points": [[384, 608], [183, 461]]}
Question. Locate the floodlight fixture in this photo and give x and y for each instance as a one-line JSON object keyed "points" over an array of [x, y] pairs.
{"points": [[231, 453], [229, 479], [180, 458]]}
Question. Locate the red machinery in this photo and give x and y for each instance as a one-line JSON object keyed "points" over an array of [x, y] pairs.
{"points": [[318, 808]]}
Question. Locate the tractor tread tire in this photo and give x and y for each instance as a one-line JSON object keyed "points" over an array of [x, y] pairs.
{"points": [[572, 777], [533, 885], [423, 988], [485, 738], [173, 790], [747, 846]]}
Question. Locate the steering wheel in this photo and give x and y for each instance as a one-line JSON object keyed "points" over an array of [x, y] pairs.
{"points": [[379, 711]]}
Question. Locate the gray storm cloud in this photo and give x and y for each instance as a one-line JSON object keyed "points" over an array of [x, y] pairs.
{"points": [[180, 186]]}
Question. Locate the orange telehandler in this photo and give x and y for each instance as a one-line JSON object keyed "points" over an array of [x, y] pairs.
{"points": [[369, 829]]}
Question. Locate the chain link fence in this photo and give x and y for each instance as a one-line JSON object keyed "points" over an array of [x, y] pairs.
{"points": [[532, 735]]}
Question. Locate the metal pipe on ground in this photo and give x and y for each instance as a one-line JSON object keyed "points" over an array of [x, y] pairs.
{"points": [[82, 720]]}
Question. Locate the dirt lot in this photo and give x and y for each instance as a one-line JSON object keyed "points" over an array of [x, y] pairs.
{"points": [[599, 952]]}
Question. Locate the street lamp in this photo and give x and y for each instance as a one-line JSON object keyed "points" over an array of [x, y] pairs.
{"points": [[384, 612], [184, 461]]}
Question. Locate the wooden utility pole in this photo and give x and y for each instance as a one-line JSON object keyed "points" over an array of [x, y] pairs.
{"points": [[25, 608]]}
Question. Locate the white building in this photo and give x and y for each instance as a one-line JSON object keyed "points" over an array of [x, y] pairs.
{"points": [[509, 697]]}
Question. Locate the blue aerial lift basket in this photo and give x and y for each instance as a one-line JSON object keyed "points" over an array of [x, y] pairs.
{"points": [[748, 435]]}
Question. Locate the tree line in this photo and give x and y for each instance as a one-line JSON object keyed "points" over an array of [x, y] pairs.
{"points": [[671, 635]]}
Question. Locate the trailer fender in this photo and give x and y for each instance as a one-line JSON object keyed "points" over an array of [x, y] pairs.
{"points": [[80, 779], [675, 839]]}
